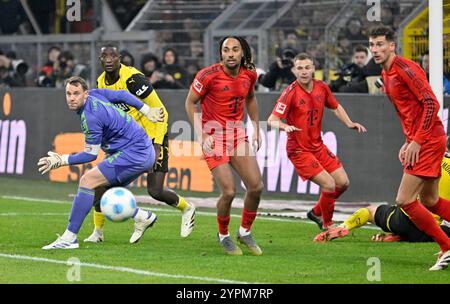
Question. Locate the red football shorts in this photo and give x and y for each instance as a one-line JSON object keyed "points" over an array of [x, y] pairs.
{"points": [[430, 158], [223, 148], [309, 164]]}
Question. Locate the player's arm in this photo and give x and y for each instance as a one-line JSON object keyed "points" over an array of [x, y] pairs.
{"points": [[418, 84], [119, 96], [140, 86], [194, 115], [253, 113], [275, 122], [280, 112], [93, 136], [342, 115]]}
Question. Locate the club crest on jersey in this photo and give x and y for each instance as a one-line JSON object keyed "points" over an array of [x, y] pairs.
{"points": [[281, 107], [198, 86]]}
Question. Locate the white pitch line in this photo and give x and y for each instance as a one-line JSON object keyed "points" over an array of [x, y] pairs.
{"points": [[32, 199], [124, 269], [32, 214], [266, 218]]}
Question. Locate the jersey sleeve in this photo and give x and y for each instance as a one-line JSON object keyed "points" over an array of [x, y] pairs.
{"points": [[92, 128], [201, 83], [417, 82], [140, 86], [119, 96], [283, 104], [330, 101]]}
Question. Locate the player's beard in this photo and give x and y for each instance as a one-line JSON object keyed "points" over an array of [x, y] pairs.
{"points": [[233, 67]]}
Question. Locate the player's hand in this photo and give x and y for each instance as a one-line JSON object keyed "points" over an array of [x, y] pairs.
{"points": [[357, 126], [52, 161], [290, 129], [401, 153], [156, 115], [412, 153], [256, 141], [208, 143]]}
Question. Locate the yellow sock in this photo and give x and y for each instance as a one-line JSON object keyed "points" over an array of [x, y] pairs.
{"points": [[357, 219], [99, 220], [182, 204]]}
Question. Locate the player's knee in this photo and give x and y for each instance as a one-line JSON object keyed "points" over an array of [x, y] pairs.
{"points": [[228, 194], [343, 185], [401, 200], [86, 182], [256, 190], [429, 200], [328, 186]]}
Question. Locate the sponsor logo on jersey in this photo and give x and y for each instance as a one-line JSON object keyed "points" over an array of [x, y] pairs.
{"points": [[198, 86], [281, 107], [142, 90]]}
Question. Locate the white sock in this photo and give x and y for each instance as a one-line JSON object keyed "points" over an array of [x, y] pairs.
{"points": [[98, 231], [222, 236], [141, 215], [69, 236], [243, 231]]}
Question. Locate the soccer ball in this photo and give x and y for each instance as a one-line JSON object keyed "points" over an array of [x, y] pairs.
{"points": [[118, 204]]}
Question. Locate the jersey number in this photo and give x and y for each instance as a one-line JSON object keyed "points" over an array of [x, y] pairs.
{"points": [[122, 106], [234, 103], [312, 116]]}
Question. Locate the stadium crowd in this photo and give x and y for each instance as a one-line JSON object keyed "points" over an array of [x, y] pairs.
{"points": [[176, 56]]}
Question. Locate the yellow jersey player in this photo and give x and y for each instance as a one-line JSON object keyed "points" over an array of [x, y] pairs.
{"points": [[392, 219], [117, 76]]}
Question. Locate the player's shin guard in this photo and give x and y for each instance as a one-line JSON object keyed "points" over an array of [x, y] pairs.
{"points": [[248, 217], [99, 220], [223, 222], [425, 221], [357, 219], [326, 202], [81, 206], [442, 208]]}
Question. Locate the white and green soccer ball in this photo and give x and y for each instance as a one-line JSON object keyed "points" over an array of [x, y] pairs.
{"points": [[118, 204]]}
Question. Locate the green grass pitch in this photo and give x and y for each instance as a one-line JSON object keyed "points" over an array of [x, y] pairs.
{"points": [[162, 256]]}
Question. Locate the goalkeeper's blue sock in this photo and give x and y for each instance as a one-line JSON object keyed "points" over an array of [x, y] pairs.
{"points": [[81, 206]]}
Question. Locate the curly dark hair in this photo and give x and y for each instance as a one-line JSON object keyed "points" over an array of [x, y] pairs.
{"points": [[247, 60]]}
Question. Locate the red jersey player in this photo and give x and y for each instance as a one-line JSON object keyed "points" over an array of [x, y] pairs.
{"points": [[406, 85], [302, 105], [223, 89]]}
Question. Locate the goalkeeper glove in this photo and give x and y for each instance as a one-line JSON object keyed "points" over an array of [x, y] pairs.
{"points": [[52, 161], [152, 114]]}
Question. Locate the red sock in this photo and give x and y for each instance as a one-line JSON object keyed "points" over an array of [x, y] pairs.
{"points": [[223, 222], [423, 219], [248, 217], [442, 208], [326, 202], [338, 191], [316, 209]]}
